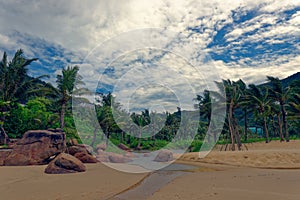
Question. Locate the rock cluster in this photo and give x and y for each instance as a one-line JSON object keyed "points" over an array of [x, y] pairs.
{"points": [[35, 148]]}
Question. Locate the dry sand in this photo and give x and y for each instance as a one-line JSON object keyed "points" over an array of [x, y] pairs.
{"points": [[266, 171], [31, 183], [274, 155]]}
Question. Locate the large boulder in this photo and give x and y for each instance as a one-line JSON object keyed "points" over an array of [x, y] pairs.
{"points": [[102, 156], [101, 147], [85, 157], [36, 148], [111, 157], [4, 153], [63, 164], [164, 156], [72, 150], [83, 153], [117, 158], [124, 147]]}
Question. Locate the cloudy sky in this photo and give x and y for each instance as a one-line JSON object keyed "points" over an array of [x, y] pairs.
{"points": [[159, 49]]}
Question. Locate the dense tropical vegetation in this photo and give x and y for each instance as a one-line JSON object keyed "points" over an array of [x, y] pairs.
{"points": [[255, 112]]}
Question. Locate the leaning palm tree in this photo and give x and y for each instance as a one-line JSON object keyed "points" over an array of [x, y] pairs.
{"points": [[15, 84], [204, 105], [234, 93], [261, 104], [67, 82], [281, 95]]}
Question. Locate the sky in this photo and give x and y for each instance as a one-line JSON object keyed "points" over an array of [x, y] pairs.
{"points": [[157, 53]]}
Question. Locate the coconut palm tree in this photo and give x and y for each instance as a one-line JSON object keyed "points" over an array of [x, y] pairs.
{"points": [[14, 83], [67, 83], [141, 120], [281, 95], [204, 105], [261, 104], [234, 93]]}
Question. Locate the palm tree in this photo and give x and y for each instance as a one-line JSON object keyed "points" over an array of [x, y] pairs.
{"points": [[234, 94], [67, 82], [280, 94], [14, 82], [204, 106], [141, 120], [261, 103]]}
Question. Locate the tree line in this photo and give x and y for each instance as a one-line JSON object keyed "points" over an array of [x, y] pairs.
{"points": [[28, 103]]}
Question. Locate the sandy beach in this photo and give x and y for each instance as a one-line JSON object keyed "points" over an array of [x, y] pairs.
{"points": [[265, 171], [31, 183]]}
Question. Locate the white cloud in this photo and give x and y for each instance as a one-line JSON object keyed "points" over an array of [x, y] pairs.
{"points": [[74, 29]]}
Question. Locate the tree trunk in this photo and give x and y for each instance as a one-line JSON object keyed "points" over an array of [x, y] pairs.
{"points": [[238, 138], [94, 137], [4, 139], [287, 138], [154, 139], [266, 130], [231, 128], [122, 137], [280, 128], [140, 139], [62, 115], [246, 125]]}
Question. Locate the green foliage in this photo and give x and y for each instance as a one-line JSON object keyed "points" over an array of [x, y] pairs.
{"points": [[31, 116]]}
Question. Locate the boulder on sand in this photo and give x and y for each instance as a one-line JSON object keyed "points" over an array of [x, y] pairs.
{"points": [[36, 147], [82, 153], [72, 150], [102, 147], [116, 158], [164, 156], [103, 156], [63, 164], [85, 158], [124, 147]]}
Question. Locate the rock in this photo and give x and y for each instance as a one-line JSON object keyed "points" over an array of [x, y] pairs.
{"points": [[3, 155], [63, 164], [147, 154], [124, 147], [72, 150], [73, 141], [102, 147], [85, 158], [36, 147], [89, 149], [102, 156], [116, 158], [112, 157], [130, 155], [164, 156]]}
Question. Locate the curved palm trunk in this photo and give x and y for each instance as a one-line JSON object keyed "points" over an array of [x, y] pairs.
{"points": [[246, 124], [4, 139], [140, 139], [94, 137], [62, 115], [280, 128], [287, 138], [231, 128], [266, 130], [237, 135]]}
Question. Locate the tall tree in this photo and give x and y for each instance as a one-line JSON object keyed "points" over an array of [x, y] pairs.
{"points": [[280, 94], [141, 120], [234, 94], [261, 103], [67, 82], [14, 82]]}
